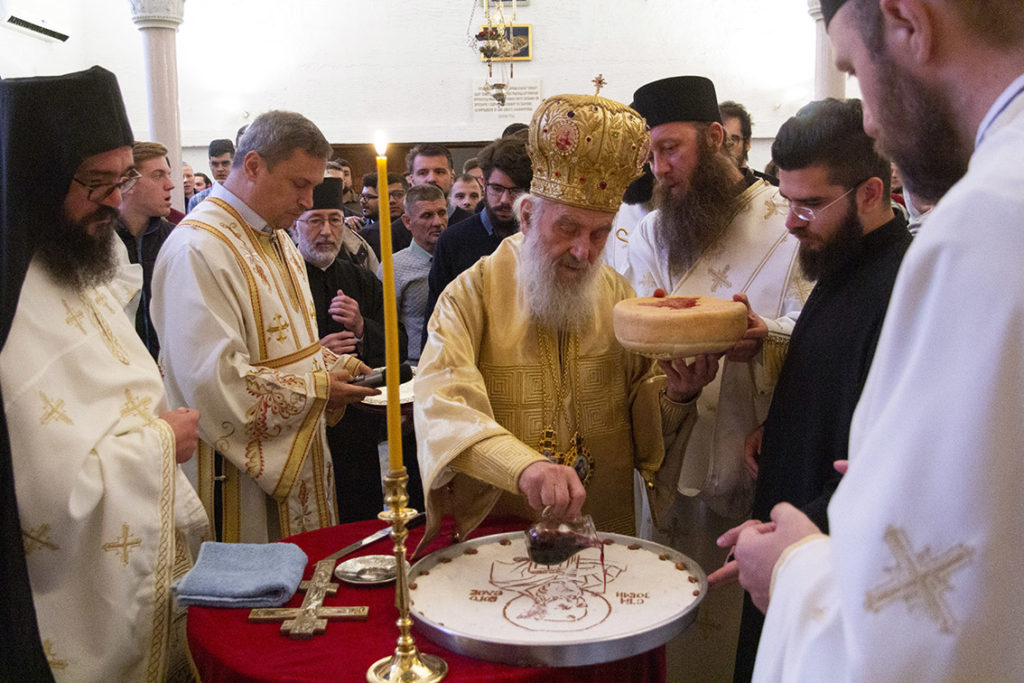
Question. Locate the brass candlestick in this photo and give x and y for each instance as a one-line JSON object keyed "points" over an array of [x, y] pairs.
{"points": [[407, 664]]}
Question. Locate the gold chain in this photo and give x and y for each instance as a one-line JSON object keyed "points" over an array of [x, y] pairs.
{"points": [[560, 377]]}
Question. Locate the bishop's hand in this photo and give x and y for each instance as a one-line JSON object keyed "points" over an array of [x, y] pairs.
{"points": [[546, 484], [685, 380]]}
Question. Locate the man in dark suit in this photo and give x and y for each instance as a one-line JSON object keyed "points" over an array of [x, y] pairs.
{"points": [[507, 175]]}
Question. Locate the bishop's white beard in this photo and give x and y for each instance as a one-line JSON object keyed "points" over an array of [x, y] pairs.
{"points": [[559, 305]]}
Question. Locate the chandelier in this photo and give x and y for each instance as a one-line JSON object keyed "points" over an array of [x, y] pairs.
{"points": [[494, 43]]}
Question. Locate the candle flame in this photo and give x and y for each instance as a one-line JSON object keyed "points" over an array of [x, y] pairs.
{"points": [[380, 141]]}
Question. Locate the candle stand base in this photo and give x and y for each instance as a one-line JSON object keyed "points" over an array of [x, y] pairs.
{"points": [[418, 668], [407, 664]]}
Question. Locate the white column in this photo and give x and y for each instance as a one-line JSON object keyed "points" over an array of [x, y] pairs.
{"points": [[828, 80], [158, 20]]}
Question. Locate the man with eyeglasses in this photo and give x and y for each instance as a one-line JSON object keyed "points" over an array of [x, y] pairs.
{"points": [[98, 505], [239, 339], [369, 229], [738, 132], [852, 244], [143, 227], [508, 173], [349, 302], [715, 233]]}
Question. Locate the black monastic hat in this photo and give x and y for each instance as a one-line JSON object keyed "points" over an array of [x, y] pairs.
{"points": [[328, 194], [680, 98], [48, 127]]}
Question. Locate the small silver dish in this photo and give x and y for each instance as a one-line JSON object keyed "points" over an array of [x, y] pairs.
{"points": [[368, 570]]}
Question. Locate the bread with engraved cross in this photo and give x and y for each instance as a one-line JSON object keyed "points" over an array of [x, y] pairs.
{"points": [[678, 326]]}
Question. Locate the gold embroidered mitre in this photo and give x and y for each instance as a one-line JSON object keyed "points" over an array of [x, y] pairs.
{"points": [[585, 150]]}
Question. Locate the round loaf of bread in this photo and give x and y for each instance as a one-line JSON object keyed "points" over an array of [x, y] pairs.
{"points": [[679, 326]]}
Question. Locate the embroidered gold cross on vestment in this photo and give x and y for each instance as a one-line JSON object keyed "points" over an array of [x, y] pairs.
{"points": [[280, 325], [53, 410], [140, 407], [74, 317], [38, 538], [919, 579], [124, 544], [720, 278]]}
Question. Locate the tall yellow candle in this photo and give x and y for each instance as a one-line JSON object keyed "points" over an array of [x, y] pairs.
{"points": [[391, 362]]}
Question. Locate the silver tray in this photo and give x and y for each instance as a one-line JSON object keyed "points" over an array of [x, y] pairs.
{"points": [[565, 648]]}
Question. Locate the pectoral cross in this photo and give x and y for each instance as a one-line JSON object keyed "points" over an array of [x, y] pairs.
{"points": [[310, 619]]}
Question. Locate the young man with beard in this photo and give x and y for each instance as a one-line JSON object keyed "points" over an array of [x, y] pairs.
{"points": [[143, 226], [852, 244], [238, 338], [918, 579], [524, 397], [508, 173], [349, 303], [98, 511], [715, 233]]}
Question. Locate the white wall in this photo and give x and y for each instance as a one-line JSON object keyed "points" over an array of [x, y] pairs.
{"points": [[355, 66]]}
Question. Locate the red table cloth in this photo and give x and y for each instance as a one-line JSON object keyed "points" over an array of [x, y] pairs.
{"points": [[226, 647]]}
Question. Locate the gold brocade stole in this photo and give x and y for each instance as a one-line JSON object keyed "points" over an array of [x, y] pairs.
{"points": [[577, 456]]}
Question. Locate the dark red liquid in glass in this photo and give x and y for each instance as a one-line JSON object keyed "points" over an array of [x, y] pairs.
{"points": [[554, 546]]}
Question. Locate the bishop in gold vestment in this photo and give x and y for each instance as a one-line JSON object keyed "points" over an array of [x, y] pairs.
{"points": [[522, 370], [486, 394]]}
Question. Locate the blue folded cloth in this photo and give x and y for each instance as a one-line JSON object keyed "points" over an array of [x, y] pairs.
{"points": [[242, 575]]}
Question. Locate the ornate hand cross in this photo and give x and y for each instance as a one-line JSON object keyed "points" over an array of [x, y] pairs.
{"points": [[310, 619]]}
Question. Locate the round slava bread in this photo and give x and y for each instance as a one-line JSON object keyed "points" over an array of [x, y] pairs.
{"points": [[674, 326]]}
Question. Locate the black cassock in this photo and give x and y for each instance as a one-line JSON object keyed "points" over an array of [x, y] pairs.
{"points": [[808, 425], [353, 441]]}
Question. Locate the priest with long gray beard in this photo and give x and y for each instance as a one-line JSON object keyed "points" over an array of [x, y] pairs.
{"points": [[715, 233]]}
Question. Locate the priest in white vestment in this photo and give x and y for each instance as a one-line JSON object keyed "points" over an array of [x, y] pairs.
{"points": [[232, 307], [526, 399], [105, 512], [919, 579], [715, 233]]}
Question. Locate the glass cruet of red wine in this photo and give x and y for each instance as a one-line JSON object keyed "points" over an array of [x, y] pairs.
{"points": [[553, 541]]}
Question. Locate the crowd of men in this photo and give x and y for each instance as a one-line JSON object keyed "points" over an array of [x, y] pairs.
{"points": [[847, 472]]}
